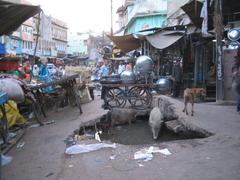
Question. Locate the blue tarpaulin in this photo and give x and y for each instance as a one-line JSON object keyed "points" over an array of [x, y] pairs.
{"points": [[2, 49]]}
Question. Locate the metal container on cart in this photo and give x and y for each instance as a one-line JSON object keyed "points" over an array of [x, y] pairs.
{"points": [[128, 77], [143, 69], [164, 85], [144, 65]]}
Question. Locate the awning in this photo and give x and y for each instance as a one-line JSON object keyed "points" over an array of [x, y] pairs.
{"points": [[193, 10], [12, 15], [125, 58], [164, 39], [126, 43]]}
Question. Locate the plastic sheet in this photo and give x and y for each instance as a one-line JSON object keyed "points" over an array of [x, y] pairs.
{"points": [[13, 115], [83, 148], [6, 160], [13, 89], [147, 153]]}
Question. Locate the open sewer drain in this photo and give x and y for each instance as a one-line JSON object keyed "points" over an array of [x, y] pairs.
{"points": [[139, 133]]}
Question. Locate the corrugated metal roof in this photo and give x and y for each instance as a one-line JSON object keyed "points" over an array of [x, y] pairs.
{"points": [[164, 39], [12, 15]]}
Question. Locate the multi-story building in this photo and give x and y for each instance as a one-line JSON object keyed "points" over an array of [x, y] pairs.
{"points": [[59, 36], [11, 44], [139, 15], [52, 37], [27, 37], [20, 41], [78, 44], [45, 46]]}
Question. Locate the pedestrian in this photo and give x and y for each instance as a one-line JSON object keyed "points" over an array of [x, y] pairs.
{"points": [[43, 71], [104, 71], [177, 76], [236, 78], [44, 75]]}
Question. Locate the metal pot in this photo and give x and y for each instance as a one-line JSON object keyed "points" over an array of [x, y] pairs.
{"points": [[144, 65], [128, 77], [163, 85]]}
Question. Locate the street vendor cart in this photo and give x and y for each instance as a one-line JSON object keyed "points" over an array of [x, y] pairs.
{"points": [[131, 88], [68, 83]]}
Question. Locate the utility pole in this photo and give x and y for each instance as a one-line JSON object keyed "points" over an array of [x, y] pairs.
{"points": [[218, 25], [38, 34], [111, 17]]}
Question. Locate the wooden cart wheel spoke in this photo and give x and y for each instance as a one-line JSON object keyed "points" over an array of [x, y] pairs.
{"points": [[114, 97], [140, 97]]}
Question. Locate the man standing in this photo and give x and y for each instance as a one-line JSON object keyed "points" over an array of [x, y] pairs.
{"points": [[177, 75], [104, 71]]}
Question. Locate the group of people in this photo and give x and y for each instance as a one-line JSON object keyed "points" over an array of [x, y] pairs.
{"points": [[108, 68]]}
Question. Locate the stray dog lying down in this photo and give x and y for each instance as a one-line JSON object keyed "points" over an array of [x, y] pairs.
{"points": [[190, 95]]}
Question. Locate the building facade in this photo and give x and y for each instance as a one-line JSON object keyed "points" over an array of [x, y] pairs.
{"points": [[52, 37], [27, 37], [78, 44], [59, 36], [140, 15]]}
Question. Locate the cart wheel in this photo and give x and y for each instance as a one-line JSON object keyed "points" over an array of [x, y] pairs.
{"points": [[114, 97], [140, 97], [4, 125]]}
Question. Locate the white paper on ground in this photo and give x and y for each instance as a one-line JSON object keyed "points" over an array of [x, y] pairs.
{"points": [[83, 148], [97, 137], [6, 159], [143, 154], [147, 153], [165, 151]]}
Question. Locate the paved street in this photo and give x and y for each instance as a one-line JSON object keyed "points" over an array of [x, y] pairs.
{"points": [[214, 158]]}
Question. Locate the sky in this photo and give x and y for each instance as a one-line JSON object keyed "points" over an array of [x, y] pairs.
{"points": [[82, 15]]}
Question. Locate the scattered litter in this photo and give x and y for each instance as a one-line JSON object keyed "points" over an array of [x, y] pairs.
{"points": [[165, 151], [34, 126], [83, 148], [49, 122], [147, 153], [140, 165], [31, 115], [143, 154], [89, 135], [20, 145], [12, 135], [70, 166], [78, 137], [69, 141], [50, 174], [5, 159], [113, 157], [97, 136]]}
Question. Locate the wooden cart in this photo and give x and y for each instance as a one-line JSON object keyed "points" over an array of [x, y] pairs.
{"points": [[137, 96]]}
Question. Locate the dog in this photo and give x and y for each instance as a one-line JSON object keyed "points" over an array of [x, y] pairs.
{"points": [[190, 95]]}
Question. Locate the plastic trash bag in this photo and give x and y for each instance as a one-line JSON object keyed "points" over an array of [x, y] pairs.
{"points": [[13, 89], [83, 148], [13, 115], [147, 153], [5, 160]]}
